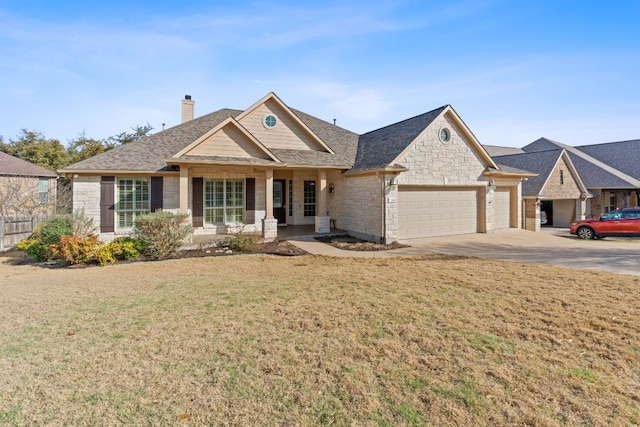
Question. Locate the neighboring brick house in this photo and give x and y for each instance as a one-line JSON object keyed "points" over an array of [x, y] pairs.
{"points": [[557, 189], [25, 188], [610, 171], [271, 165]]}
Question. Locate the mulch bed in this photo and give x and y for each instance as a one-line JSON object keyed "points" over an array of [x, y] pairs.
{"points": [[350, 243], [282, 248]]}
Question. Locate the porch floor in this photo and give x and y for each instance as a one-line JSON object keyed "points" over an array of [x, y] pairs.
{"points": [[284, 233]]}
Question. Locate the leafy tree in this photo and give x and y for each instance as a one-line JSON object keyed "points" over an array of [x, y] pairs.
{"points": [[33, 147], [84, 147], [139, 132]]}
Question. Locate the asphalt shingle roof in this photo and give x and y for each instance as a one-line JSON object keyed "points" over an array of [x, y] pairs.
{"points": [[540, 162], [495, 150], [152, 152], [613, 157], [378, 148], [11, 165], [623, 155]]}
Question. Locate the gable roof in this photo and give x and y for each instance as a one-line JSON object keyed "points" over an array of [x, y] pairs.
{"points": [[228, 123], [496, 150], [622, 155], [13, 166], [339, 148], [379, 148], [151, 154], [594, 172], [539, 162]]}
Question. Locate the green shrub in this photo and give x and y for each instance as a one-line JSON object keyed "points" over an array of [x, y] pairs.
{"points": [[34, 248], [242, 242], [162, 233], [49, 232]]}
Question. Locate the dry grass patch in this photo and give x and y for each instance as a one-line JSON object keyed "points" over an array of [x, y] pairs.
{"points": [[266, 340]]}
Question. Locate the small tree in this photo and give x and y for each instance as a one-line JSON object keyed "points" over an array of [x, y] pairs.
{"points": [[162, 232]]}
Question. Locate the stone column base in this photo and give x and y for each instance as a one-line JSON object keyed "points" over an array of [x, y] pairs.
{"points": [[269, 229], [323, 224]]}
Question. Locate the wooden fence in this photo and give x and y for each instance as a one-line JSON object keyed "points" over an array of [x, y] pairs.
{"points": [[15, 228]]}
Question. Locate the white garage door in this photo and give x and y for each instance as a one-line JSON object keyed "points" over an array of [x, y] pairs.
{"points": [[436, 212], [502, 208], [563, 212]]}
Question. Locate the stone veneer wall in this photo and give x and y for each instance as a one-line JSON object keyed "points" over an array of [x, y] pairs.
{"points": [[432, 162], [86, 196], [20, 196], [362, 206], [556, 189], [596, 205], [532, 215]]}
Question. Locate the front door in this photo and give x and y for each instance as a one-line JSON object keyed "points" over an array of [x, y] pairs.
{"points": [[279, 206]]}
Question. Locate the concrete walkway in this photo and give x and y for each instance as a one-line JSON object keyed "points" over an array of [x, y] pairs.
{"points": [[550, 246]]}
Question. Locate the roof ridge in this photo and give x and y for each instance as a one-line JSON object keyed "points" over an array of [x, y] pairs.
{"points": [[528, 152], [607, 143], [631, 180], [406, 120]]}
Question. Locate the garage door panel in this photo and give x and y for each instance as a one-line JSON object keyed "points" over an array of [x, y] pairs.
{"points": [[424, 212]]}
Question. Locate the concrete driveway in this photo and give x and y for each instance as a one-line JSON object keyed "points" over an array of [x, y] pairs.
{"points": [[550, 246]]}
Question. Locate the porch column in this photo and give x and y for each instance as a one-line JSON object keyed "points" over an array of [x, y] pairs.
{"points": [[269, 223], [322, 191], [322, 219], [184, 189], [269, 193]]}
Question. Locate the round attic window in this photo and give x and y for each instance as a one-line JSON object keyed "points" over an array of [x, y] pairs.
{"points": [[445, 135], [269, 121]]}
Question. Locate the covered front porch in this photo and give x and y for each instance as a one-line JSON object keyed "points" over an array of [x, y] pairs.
{"points": [[284, 233], [271, 202]]}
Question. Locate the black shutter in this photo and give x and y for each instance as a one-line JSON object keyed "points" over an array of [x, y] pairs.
{"points": [[250, 210], [198, 195], [156, 193], [107, 204]]}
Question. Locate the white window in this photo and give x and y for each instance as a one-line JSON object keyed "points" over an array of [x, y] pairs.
{"points": [[133, 200], [224, 201], [44, 186], [309, 195], [609, 202]]}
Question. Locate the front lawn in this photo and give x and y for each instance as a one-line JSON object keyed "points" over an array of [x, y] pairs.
{"points": [[307, 340]]}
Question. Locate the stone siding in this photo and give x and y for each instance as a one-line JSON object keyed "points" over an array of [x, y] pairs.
{"points": [[432, 162], [561, 188], [532, 215], [86, 197], [362, 203], [19, 195]]}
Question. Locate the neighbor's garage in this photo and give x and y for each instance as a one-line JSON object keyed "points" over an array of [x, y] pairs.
{"points": [[427, 212], [502, 207]]}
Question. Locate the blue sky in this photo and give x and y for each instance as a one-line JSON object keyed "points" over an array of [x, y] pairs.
{"points": [[513, 70]]}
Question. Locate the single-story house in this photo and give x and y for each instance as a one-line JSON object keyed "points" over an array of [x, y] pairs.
{"points": [[557, 189], [25, 188], [610, 171], [271, 165]]}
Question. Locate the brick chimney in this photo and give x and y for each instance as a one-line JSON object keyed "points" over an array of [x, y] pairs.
{"points": [[188, 107]]}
